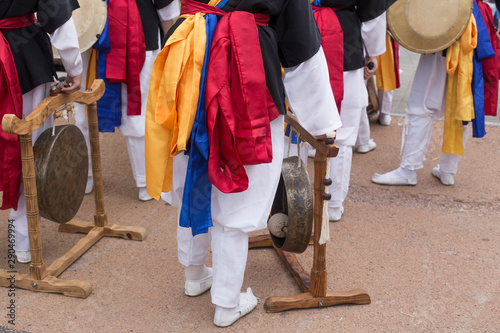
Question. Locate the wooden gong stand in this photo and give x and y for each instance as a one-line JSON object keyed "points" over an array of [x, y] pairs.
{"points": [[40, 278], [315, 294]]}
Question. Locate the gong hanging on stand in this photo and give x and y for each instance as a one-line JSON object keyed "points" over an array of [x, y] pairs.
{"points": [[291, 220]]}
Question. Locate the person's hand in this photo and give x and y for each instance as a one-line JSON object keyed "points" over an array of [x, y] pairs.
{"points": [[71, 84], [369, 69], [498, 35]]}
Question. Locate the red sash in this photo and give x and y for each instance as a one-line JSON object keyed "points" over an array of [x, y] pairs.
{"points": [[128, 50], [490, 65], [239, 104], [11, 101], [332, 40]]}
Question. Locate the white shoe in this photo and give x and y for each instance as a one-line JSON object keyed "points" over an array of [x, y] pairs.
{"points": [[311, 153], [23, 257], [395, 177], [362, 149], [198, 287], [444, 177], [384, 119], [226, 317], [335, 214], [143, 194], [90, 185]]}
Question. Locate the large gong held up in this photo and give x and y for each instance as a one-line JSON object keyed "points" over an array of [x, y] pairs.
{"points": [[428, 26], [294, 198], [61, 168], [89, 20]]}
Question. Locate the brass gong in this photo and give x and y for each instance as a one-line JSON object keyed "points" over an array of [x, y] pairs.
{"points": [[294, 197], [61, 168]]}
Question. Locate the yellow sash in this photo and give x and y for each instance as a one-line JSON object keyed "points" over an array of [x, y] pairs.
{"points": [[172, 100], [459, 100], [386, 74]]}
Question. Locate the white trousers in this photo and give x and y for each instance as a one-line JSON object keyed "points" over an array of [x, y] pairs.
{"points": [[353, 106], [426, 103], [31, 100], [229, 257], [132, 127], [234, 215]]}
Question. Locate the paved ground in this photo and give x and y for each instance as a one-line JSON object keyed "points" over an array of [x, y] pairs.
{"points": [[428, 255]]}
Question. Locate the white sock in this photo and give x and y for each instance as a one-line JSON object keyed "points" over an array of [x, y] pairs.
{"points": [[196, 272], [401, 172]]}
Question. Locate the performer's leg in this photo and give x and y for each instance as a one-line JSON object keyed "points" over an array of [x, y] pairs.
{"points": [[364, 143], [425, 103], [385, 101], [354, 103], [135, 146], [20, 222], [192, 253], [229, 256], [448, 164], [133, 127], [340, 172]]}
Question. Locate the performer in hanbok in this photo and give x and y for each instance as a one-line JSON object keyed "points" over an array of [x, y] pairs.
{"points": [[360, 27], [446, 85], [123, 59], [214, 129], [27, 72]]}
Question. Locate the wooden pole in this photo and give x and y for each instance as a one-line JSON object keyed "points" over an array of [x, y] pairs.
{"points": [[100, 217], [37, 268], [318, 271]]}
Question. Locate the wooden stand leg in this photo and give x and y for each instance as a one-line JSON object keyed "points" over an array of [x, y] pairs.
{"points": [[37, 267], [315, 294]]}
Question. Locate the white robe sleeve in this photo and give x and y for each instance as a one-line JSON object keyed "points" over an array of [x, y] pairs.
{"points": [[65, 40], [373, 33], [169, 12], [310, 97]]}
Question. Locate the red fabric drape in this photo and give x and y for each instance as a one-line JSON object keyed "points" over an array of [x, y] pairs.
{"points": [[11, 102], [333, 46], [128, 50], [490, 65], [239, 104], [395, 50]]}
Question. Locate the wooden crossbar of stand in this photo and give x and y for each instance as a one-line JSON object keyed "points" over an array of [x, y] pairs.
{"points": [[41, 278], [313, 285]]}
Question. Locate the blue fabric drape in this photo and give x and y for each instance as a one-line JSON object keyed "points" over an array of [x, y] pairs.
{"points": [[109, 106], [197, 198]]}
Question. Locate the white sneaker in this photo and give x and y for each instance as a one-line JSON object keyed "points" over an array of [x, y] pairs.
{"points": [[444, 177], [198, 287], [395, 177], [384, 119], [335, 214], [143, 194], [23, 257], [90, 185], [363, 149], [226, 317]]}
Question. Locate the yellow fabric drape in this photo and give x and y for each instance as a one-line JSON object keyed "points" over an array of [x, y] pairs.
{"points": [[459, 100], [172, 100], [386, 72]]}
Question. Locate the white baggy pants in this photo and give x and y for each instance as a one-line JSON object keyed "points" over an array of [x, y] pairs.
{"points": [[353, 105], [426, 103]]}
